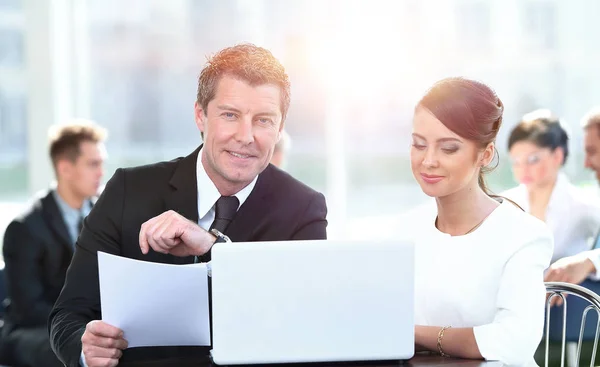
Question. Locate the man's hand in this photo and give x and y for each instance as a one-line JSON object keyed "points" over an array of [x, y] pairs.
{"points": [[573, 269], [171, 233], [102, 344]]}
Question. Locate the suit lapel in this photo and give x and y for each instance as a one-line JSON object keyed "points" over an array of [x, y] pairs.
{"points": [[55, 220], [183, 197], [254, 209]]}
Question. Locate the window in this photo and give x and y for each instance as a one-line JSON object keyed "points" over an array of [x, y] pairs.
{"points": [[13, 109], [11, 47], [539, 24], [473, 25], [10, 4]]}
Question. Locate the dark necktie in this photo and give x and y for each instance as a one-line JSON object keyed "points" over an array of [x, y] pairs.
{"points": [[225, 209], [79, 228], [80, 225]]}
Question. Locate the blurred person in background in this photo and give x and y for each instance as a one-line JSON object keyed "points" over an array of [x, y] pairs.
{"points": [[577, 268], [495, 251], [281, 151], [39, 243], [538, 148]]}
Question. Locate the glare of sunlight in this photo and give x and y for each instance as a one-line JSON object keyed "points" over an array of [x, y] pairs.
{"points": [[358, 52], [362, 50]]}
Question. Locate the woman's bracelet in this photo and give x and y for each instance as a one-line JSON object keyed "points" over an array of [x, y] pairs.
{"points": [[439, 341]]}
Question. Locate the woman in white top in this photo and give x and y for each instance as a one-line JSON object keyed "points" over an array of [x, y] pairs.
{"points": [[479, 290], [538, 148]]}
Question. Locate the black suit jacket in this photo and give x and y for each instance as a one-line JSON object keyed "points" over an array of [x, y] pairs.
{"points": [[278, 208], [37, 252]]}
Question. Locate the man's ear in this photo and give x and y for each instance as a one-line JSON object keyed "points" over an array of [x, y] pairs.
{"points": [[200, 117], [280, 132], [64, 167]]}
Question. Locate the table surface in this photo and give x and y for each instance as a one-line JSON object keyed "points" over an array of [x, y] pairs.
{"points": [[419, 360]]}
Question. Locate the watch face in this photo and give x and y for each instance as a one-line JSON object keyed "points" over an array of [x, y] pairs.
{"points": [[220, 236]]}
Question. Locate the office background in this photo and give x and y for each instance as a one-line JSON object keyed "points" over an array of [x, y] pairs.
{"points": [[357, 68]]}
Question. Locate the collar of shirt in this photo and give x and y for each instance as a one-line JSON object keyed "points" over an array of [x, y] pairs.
{"points": [[71, 216], [559, 197], [69, 211], [208, 194]]}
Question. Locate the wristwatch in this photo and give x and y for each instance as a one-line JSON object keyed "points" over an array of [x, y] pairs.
{"points": [[220, 236]]}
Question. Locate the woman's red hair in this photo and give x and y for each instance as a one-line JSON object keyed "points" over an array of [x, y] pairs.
{"points": [[469, 108]]}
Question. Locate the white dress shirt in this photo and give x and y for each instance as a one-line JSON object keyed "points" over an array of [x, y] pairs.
{"points": [[573, 215], [490, 279], [594, 256], [208, 194], [72, 216]]}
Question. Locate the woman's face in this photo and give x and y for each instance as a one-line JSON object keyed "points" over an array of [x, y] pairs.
{"points": [[535, 166], [442, 162]]}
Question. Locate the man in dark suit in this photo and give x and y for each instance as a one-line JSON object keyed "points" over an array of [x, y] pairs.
{"points": [[38, 244], [173, 212]]}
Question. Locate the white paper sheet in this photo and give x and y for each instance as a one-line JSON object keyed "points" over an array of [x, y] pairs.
{"points": [[155, 304]]}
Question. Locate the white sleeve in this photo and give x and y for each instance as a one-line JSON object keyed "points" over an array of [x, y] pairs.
{"points": [[591, 215], [592, 227], [514, 334], [82, 360], [594, 256]]}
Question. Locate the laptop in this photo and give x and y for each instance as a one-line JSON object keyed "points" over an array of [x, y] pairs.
{"points": [[312, 301]]}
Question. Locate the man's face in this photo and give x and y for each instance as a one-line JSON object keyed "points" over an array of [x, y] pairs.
{"points": [[241, 126], [592, 149], [84, 175]]}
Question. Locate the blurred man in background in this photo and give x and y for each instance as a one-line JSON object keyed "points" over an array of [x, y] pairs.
{"points": [[575, 269], [39, 243], [282, 148]]}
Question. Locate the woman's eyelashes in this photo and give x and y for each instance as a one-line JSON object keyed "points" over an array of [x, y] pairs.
{"points": [[445, 149], [450, 149]]}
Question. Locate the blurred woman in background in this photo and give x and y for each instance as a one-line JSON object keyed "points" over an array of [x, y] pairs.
{"points": [[539, 149], [479, 290]]}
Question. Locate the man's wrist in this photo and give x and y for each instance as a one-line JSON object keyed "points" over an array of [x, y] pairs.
{"points": [[209, 239], [220, 237], [208, 243]]}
